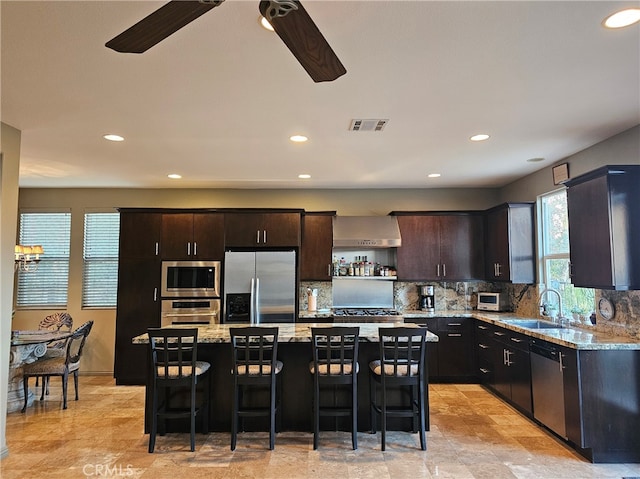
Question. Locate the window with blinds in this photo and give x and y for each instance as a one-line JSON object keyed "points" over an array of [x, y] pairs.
{"points": [[47, 286], [100, 260]]}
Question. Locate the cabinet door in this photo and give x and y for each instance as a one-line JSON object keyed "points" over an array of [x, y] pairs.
{"points": [[177, 236], [502, 375], [497, 245], [520, 369], [268, 230], [572, 401], [315, 250], [281, 229], [139, 235], [138, 309], [419, 255], [461, 247], [208, 236], [242, 229]]}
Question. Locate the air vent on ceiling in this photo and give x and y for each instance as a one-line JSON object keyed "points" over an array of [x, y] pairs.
{"points": [[368, 125]]}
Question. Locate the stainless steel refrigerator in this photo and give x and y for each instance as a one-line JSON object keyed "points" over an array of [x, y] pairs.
{"points": [[259, 287]]}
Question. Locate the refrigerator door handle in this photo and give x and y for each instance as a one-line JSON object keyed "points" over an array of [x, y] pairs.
{"points": [[257, 302], [252, 303]]}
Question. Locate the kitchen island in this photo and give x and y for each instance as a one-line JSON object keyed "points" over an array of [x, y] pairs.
{"points": [[296, 383]]}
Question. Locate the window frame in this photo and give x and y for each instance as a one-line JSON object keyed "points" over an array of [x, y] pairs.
{"points": [[33, 281], [86, 301]]}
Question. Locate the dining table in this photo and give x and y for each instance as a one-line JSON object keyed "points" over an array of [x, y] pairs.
{"points": [[27, 346]]}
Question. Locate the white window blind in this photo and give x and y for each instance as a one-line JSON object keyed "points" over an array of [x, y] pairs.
{"points": [[100, 260], [47, 286]]}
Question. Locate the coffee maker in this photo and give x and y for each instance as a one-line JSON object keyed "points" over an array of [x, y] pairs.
{"points": [[427, 299]]}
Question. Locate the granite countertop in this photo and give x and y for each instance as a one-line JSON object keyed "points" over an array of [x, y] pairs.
{"points": [[570, 336], [288, 332]]}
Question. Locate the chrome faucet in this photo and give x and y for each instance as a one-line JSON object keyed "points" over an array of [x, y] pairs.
{"points": [[561, 318]]}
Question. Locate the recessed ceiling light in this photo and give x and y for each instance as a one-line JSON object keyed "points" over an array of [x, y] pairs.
{"points": [[535, 160], [174, 176], [264, 23], [304, 176], [298, 138], [113, 137], [623, 18], [480, 137], [434, 175]]}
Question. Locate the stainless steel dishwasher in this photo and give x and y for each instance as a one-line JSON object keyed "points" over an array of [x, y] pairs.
{"points": [[547, 386]]}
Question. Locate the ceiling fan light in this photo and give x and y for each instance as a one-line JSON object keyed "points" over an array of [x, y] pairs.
{"points": [[434, 175], [623, 18], [304, 176], [264, 23], [298, 138], [174, 176]]}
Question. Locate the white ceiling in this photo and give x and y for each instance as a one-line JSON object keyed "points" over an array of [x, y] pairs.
{"points": [[217, 101]]}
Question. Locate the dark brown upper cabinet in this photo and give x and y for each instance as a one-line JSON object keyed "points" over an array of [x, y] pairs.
{"points": [[262, 229], [509, 243], [317, 243], [192, 236], [604, 228], [139, 234], [437, 246]]}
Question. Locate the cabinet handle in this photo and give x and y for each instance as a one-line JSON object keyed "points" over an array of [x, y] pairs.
{"points": [[498, 333], [516, 340], [444, 269], [157, 248], [484, 371], [454, 335], [507, 357], [482, 327], [188, 249], [438, 270], [454, 324], [195, 249], [560, 355], [258, 236], [155, 294], [499, 273], [264, 236], [483, 346]]}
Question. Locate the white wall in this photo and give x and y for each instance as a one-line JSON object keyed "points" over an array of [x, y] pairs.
{"points": [[9, 168]]}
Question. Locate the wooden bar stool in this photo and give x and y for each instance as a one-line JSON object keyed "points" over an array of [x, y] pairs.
{"points": [[335, 363], [401, 365], [176, 371], [255, 364]]}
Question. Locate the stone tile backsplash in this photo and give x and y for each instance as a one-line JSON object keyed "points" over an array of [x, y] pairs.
{"points": [[463, 295]]}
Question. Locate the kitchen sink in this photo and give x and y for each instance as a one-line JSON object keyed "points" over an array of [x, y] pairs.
{"points": [[533, 324]]}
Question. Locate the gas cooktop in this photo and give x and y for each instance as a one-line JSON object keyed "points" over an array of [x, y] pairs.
{"points": [[367, 314]]}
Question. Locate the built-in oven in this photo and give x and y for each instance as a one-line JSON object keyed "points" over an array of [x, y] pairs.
{"points": [[190, 279], [192, 311]]}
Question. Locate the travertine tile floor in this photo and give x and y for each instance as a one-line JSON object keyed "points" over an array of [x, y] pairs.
{"points": [[473, 435]]}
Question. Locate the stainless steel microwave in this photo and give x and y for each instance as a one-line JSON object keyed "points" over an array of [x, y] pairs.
{"points": [[492, 302], [190, 279]]}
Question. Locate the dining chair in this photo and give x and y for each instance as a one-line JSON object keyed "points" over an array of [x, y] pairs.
{"points": [[401, 366], [176, 371], [61, 366], [335, 364], [58, 321], [254, 366]]}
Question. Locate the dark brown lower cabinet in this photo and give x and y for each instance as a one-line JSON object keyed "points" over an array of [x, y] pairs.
{"points": [[504, 364], [602, 403], [451, 359]]}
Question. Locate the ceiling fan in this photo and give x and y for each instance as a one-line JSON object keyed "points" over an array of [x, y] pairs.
{"points": [[288, 18]]}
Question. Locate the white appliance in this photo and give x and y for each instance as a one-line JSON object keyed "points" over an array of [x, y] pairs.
{"points": [[492, 302], [260, 287]]}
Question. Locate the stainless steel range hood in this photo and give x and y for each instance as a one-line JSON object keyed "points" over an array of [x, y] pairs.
{"points": [[366, 232]]}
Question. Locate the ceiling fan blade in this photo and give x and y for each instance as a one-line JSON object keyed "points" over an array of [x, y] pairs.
{"points": [[157, 26], [303, 38]]}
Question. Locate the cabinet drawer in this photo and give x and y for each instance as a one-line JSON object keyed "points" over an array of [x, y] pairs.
{"points": [[456, 325]]}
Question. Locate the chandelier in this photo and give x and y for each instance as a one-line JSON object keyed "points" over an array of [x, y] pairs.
{"points": [[27, 258]]}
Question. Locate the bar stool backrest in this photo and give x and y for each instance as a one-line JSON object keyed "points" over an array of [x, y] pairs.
{"points": [[402, 352], [174, 353], [255, 350], [335, 350]]}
